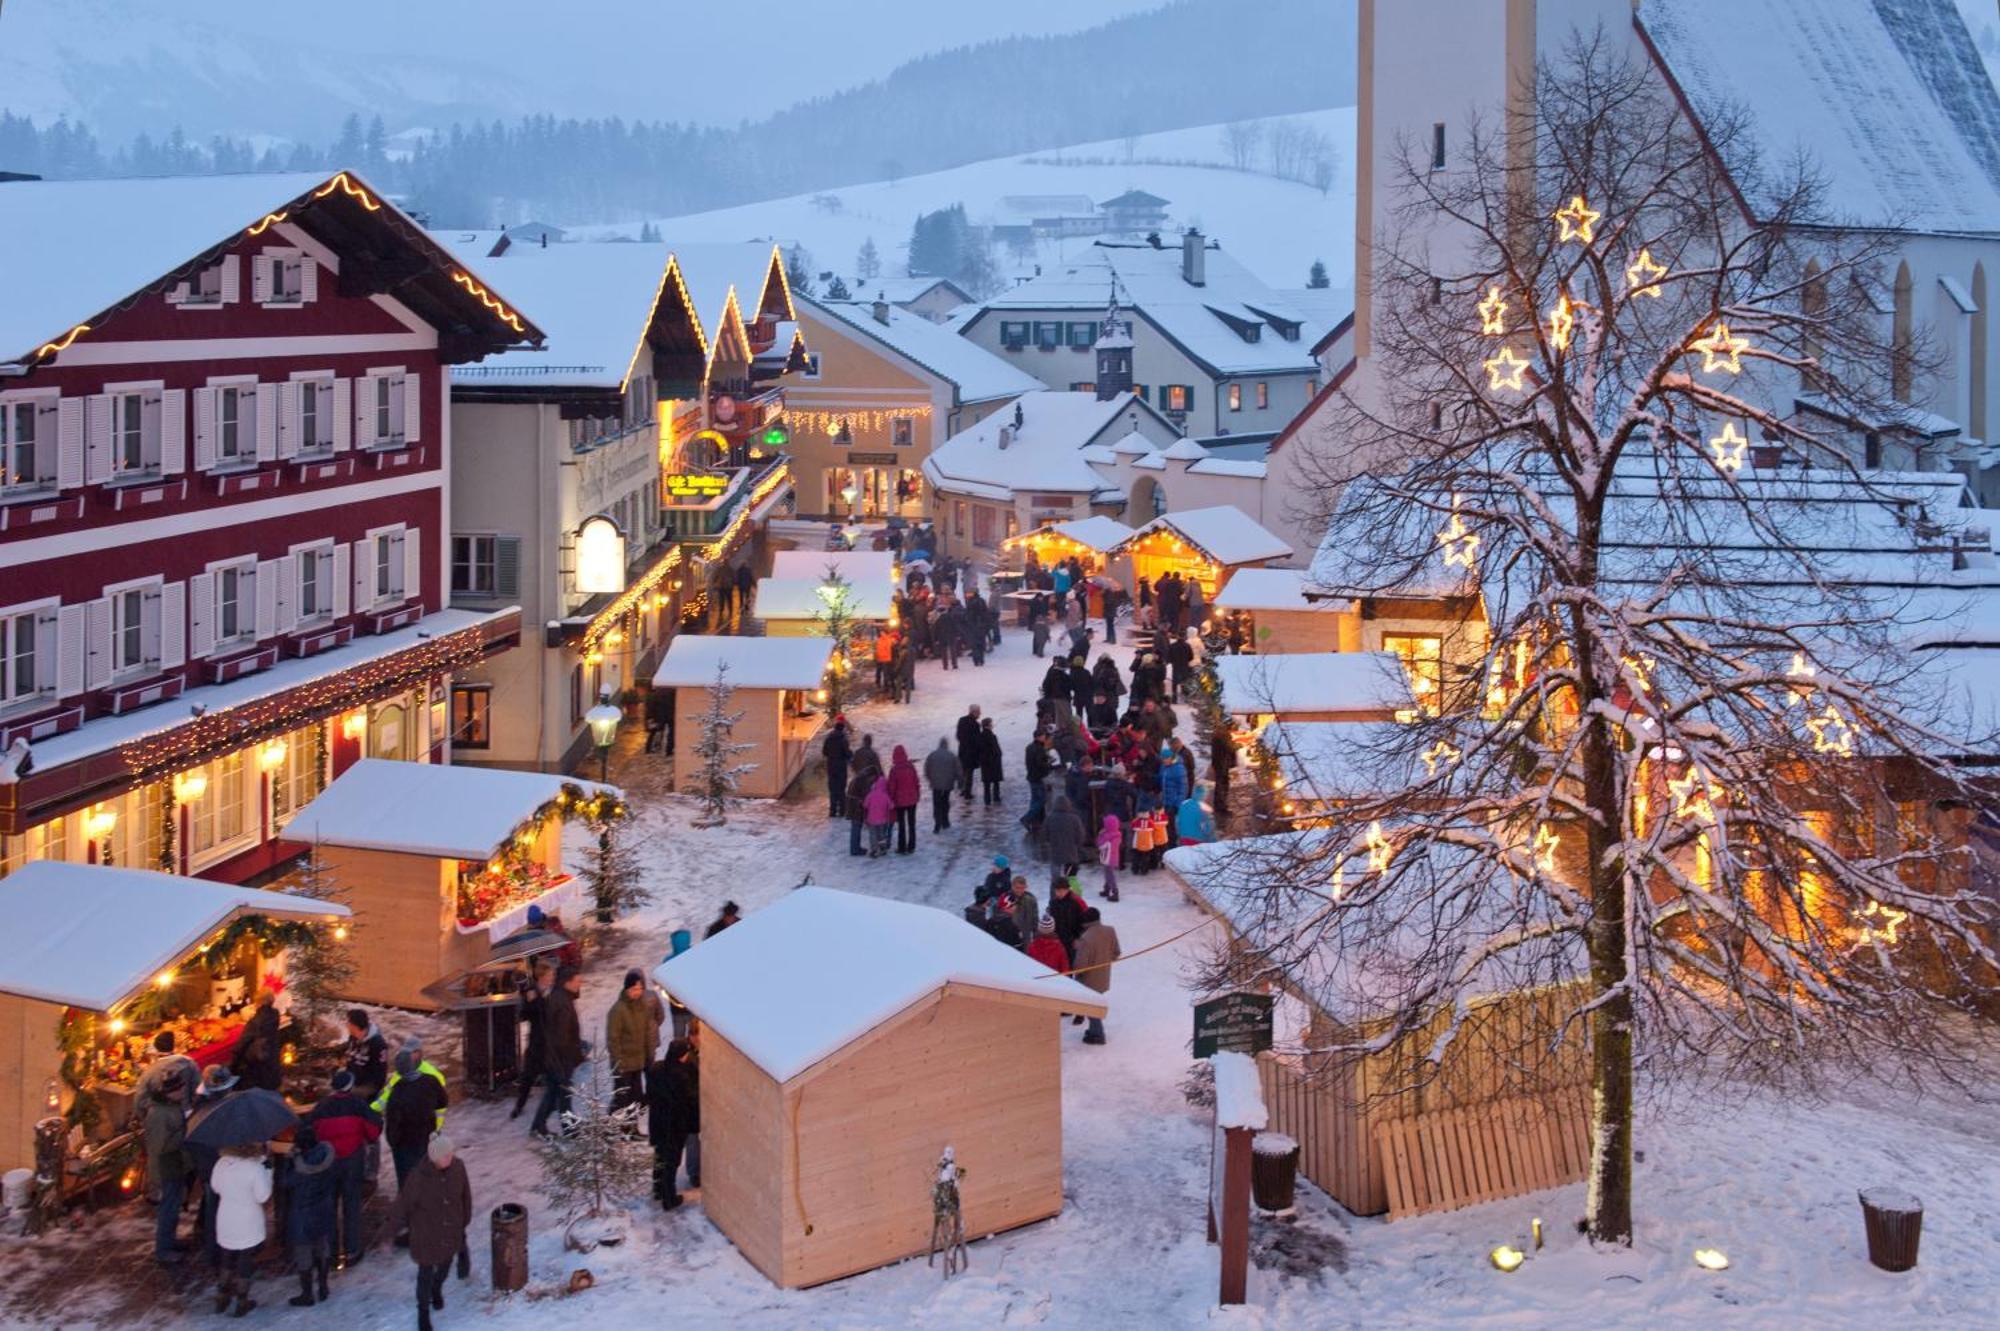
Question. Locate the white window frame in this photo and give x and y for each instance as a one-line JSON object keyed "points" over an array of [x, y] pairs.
{"points": [[320, 555], [35, 623], [1236, 397], [284, 269], [149, 466], [149, 652], [384, 393], [318, 385], [385, 557], [241, 575], [239, 390], [473, 563], [44, 444]]}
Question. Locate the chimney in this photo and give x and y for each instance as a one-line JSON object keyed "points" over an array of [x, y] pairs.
{"points": [[881, 310], [1194, 259], [1006, 437]]}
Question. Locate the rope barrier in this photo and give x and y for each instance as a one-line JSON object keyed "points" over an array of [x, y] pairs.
{"points": [[1133, 956]]}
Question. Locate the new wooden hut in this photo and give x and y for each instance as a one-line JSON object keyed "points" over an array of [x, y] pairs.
{"points": [[835, 1070], [438, 862], [795, 607], [777, 680], [1273, 617], [111, 948]]}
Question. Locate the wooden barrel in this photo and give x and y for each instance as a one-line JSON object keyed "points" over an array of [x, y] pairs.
{"points": [[510, 1247], [1274, 1171], [1894, 1220]]}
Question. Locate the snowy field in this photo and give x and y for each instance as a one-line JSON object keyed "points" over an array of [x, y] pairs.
{"points": [[1771, 1184], [1275, 227]]}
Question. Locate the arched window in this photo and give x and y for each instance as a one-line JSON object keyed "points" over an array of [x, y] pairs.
{"points": [[1977, 386], [1902, 347]]}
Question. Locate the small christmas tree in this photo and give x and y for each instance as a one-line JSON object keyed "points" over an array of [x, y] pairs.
{"points": [[837, 290], [715, 779], [597, 1160], [322, 967], [836, 621], [612, 871]]}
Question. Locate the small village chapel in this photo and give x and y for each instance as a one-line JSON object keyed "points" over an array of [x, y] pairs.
{"points": [[835, 1071]]}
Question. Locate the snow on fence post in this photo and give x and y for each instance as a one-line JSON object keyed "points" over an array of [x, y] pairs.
{"points": [[1239, 1116]]}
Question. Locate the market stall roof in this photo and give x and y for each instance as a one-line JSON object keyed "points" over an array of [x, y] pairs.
{"points": [[1098, 532], [1324, 761], [1272, 589], [1224, 533], [754, 663], [801, 598], [463, 813], [1313, 682], [860, 567], [796, 982], [89, 936]]}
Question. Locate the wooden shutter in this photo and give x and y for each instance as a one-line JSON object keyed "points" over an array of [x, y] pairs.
{"points": [[48, 426], [69, 443], [260, 279], [343, 414], [97, 438], [149, 419], [308, 278], [507, 566], [45, 650], [340, 583], [201, 614], [70, 650], [411, 542], [232, 279], [179, 292], [364, 412], [173, 626], [97, 639], [397, 414], [173, 432], [364, 573], [149, 626], [413, 407], [267, 422], [204, 428], [285, 577], [267, 575], [290, 396]]}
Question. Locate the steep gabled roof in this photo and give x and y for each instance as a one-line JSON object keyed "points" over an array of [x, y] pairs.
{"points": [[1046, 452], [978, 374]]}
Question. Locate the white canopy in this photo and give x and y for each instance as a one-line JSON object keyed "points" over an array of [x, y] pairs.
{"points": [[801, 979], [860, 567], [1225, 534], [462, 813], [89, 936], [801, 598], [1272, 589], [754, 663], [1313, 682]]}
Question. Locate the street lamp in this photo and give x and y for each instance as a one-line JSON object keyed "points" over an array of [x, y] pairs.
{"points": [[604, 719]]}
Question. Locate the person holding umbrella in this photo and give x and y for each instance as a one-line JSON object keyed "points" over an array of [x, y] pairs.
{"points": [[217, 1085]]}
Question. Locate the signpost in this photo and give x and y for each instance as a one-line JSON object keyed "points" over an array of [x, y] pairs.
{"points": [[1239, 1023]]}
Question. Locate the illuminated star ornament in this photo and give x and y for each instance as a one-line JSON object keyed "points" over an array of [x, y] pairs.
{"points": [[1437, 755], [1831, 733], [1727, 449], [1546, 842], [1458, 540], [1879, 922], [1505, 371], [1493, 313], [1380, 852], [1642, 276], [1694, 795], [1562, 323], [1578, 221], [1722, 350]]}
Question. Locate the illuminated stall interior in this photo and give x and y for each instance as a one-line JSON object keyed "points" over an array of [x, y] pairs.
{"points": [[1204, 545]]}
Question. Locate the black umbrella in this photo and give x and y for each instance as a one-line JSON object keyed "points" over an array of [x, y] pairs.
{"points": [[244, 1118]]}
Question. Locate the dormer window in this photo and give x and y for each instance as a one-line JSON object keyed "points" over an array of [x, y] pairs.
{"points": [[283, 277], [209, 287]]}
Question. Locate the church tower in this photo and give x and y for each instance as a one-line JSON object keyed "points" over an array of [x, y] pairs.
{"points": [[1114, 352]]}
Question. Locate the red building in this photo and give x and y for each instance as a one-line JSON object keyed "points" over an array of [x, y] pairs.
{"points": [[224, 440]]}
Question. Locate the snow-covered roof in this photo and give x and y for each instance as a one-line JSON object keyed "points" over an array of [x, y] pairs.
{"points": [[1249, 468], [715, 270], [1224, 533], [754, 663], [463, 813], [1327, 761], [863, 568], [794, 983], [801, 598], [1097, 532], [1313, 682], [979, 375], [1892, 102], [1271, 589], [593, 302], [1203, 320], [1043, 455], [89, 935]]}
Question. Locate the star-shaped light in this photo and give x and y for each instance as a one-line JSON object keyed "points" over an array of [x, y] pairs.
{"points": [[1578, 221], [1562, 323], [1831, 733], [1493, 313], [1727, 449], [1641, 668], [1722, 350], [1505, 371], [1546, 842], [1437, 755], [1642, 276], [1459, 541], [1694, 795], [1380, 852], [1887, 918]]}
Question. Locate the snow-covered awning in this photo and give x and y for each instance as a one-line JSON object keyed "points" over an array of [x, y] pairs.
{"points": [[90, 936], [1098, 532], [1273, 589], [807, 598], [1307, 682], [463, 813], [692, 661], [1224, 533]]}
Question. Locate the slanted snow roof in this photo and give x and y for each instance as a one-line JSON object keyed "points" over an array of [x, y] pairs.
{"points": [[979, 375], [1891, 101], [90, 936], [754, 663], [800, 598], [1271, 589], [1098, 532], [715, 271], [794, 983], [1314, 682], [863, 568], [1225, 534], [1326, 761], [463, 813], [593, 301], [1044, 455]]}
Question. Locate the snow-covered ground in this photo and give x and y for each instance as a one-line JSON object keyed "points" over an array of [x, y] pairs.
{"points": [[1276, 228], [1771, 1183]]}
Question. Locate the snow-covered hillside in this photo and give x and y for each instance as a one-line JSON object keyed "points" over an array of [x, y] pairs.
{"points": [[1276, 228]]}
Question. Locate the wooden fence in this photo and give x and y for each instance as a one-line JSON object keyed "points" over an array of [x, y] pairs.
{"points": [[1451, 1158]]}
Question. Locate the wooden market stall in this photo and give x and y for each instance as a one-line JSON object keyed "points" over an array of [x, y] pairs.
{"points": [[101, 959], [439, 862], [1090, 540], [1315, 686], [1269, 614], [835, 1072], [795, 607], [1207, 545], [775, 682], [861, 568]]}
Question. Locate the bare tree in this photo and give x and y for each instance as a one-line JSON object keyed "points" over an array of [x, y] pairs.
{"points": [[1240, 139], [1684, 778]]}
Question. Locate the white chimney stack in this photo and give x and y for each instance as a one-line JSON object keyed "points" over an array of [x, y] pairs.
{"points": [[1194, 258]]}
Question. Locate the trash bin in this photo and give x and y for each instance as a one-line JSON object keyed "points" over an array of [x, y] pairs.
{"points": [[1274, 1171], [510, 1247], [1894, 1220]]}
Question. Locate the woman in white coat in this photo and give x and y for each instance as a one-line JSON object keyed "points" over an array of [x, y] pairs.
{"points": [[242, 1184]]}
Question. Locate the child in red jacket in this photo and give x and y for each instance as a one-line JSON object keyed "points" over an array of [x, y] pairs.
{"points": [[1046, 948]]}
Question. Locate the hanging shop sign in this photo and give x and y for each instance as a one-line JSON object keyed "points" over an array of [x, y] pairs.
{"points": [[600, 556], [872, 459], [1240, 1023], [694, 486]]}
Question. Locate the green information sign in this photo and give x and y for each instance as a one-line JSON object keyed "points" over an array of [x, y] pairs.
{"points": [[1239, 1023]]}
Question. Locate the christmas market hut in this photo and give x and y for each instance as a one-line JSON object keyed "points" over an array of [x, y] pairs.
{"points": [[439, 862], [861, 568], [835, 1073], [800, 607], [1205, 545], [1266, 611], [1315, 686], [773, 684], [99, 962], [1089, 540]]}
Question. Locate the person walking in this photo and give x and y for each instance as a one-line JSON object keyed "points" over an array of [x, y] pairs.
{"points": [[885, 653], [434, 1210], [1110, 841], [411, 1115], [673, 1114], [1180, 662], [168, 1164], [1221, 762], [535, 988], [1096, 950], [991, 762], [1045, 948], [906, 791], [967, 734], [906, 671], [880, 809], [1107, 686], [839, 755], [858, 787], [942, 772], [1062, 833], [242, 1183], [348, 1126], [1038, 624], [310, 1188], [746, 587], [867, 762], [1173, 781], [563, 1050], [1040, 761], [631, 1036]]}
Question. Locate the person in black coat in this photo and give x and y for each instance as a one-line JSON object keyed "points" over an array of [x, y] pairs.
{"points": [[1040, 760], [839, 754], [309, 1192], [534, 997], [991, 770], [258, 1060], [969, 745], [1055, 683], [1180, 659], [1107, 687], [1082, 686], [673, 1114]]}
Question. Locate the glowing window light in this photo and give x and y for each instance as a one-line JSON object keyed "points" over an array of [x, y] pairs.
{"points": [[1578, 220], [1643, 274], [1721, 350], [1641, 668], [1493, 313], [1505, 372]]}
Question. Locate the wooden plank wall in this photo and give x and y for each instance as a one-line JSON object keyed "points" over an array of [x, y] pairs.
{"points": [[760, 726], [30, 1054], [1297, 631], [745, 1154], [1336, 1152], [1451, 1158], [404, 922]]}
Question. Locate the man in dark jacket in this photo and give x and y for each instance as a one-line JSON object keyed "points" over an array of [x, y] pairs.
{"points": [[345, 1122], [968, 749], [534, 1000], [1062, 833], [1039, 761], [308, 1183], [673, 1114], [941, 773], [367, 1054], [659, 720], [1066, 908], [257, 1060], [563, 1049], [411, 1115], [839, 753], [866, 763], [1180, 660], [168, 1164], [1221, 762], [434, 1210]]}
